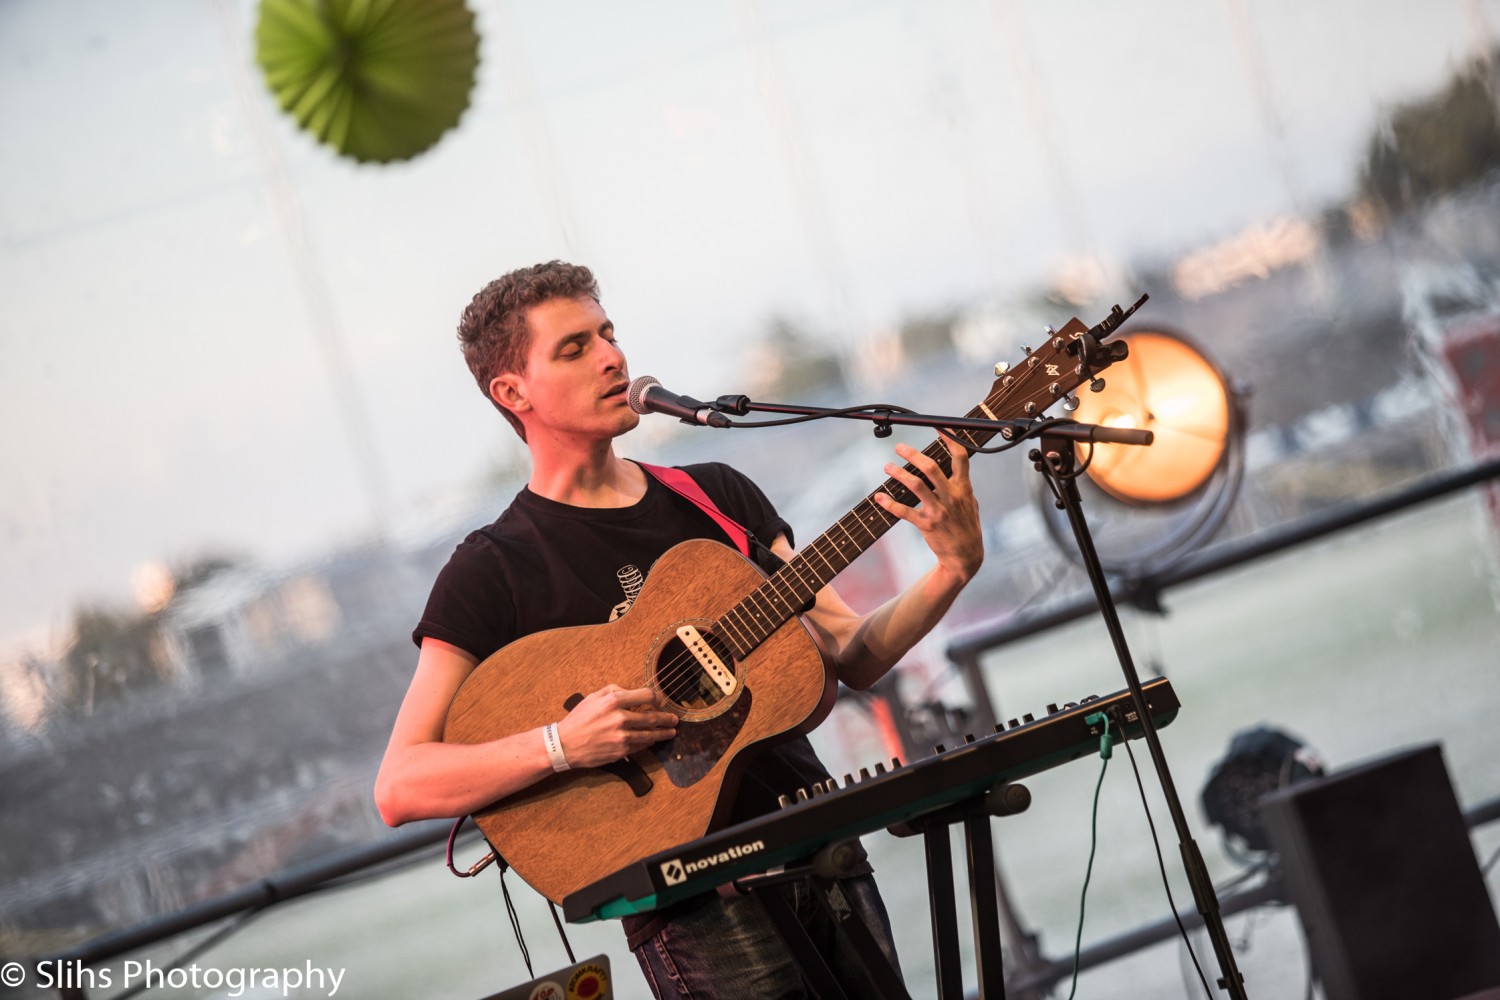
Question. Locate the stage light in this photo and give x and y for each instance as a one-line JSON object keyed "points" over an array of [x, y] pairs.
{"points": [[1168, 387], [1152, 505]]}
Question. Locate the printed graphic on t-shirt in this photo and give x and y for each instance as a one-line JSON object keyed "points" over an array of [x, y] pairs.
{"points": [[631, 581]]}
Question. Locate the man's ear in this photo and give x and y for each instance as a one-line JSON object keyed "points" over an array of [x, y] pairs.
{"points": [[509, 390]]}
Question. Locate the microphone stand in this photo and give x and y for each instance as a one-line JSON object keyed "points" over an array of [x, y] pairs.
{"points": [[1055, 461]]}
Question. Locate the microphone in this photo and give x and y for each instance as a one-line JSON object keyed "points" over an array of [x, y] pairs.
{"points": [[648, 396]]}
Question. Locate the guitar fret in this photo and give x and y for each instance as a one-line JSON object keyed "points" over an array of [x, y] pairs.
{"points": [[736, 633], [833, 570], [796, 566], [860, 519], [793, 598], [781, 606], [840, 560], [759, 613]]}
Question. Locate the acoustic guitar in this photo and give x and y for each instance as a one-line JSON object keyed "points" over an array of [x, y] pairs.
{"points": [[722, 644]]}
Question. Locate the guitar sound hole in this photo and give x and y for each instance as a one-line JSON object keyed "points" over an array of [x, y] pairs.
{"points": [[695, 688]]}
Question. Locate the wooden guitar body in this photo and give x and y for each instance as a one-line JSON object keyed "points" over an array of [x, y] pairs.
{"points": [[573, 828]]}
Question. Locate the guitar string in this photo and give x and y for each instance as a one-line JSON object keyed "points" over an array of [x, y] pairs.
{"points": [[677, 669]]}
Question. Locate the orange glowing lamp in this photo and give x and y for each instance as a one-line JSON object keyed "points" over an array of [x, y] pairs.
{"points": [[1167, 387]]}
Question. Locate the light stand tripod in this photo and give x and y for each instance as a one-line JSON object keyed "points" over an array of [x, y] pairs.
{"points": [[1055, 460]]}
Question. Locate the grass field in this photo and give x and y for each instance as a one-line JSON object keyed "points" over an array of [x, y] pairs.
{"points": [[1380, 639]]}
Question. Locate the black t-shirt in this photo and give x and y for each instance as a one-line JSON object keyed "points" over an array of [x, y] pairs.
{"points": [[545, 565]]}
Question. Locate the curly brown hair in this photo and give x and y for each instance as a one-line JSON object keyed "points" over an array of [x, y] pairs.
{"points": [[493, 333]]}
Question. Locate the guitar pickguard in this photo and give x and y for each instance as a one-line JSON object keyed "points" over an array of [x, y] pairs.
{"points": [[698, 746]]}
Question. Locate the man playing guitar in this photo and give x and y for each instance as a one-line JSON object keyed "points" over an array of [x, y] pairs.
{"points": [[572, 549]]}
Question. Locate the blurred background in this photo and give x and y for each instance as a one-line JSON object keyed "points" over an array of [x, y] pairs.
{"points": [[241, 439]]}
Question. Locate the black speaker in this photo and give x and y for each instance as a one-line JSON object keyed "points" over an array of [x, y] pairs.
{"points": [[1378, 860]]}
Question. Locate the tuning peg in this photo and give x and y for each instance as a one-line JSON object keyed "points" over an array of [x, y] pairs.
{"points": [[1070, 404], [1025, 349], [1001, 367], [1096, 385], [1049, 329]]}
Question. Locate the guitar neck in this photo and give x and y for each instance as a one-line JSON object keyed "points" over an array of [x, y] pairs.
{"points": [[793, 587]]}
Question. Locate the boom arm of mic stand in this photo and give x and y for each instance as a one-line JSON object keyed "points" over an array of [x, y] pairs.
{"points": [[1010, 430]]}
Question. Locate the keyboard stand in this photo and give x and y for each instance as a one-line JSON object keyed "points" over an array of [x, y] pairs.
{"points": [[975, 813]]}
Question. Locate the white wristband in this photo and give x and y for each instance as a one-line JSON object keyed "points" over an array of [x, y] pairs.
{"points": [[553, 743]]}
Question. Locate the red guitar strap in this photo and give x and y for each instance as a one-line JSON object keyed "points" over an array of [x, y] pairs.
{"points": [[681, 483]]}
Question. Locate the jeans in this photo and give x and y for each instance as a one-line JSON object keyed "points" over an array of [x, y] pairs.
{"points": [[729, 948]]}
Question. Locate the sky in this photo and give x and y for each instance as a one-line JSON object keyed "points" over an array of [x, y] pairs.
{"points": [[218, 336]]}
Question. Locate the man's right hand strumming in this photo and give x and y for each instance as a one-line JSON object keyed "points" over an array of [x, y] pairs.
{"points": [[611, 723]]}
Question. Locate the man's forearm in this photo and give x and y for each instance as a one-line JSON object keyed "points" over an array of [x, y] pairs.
{"points": [[444, 780], [881, 638]]}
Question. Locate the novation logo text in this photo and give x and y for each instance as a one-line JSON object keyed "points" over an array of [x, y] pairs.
{"points": [[676, 873]]}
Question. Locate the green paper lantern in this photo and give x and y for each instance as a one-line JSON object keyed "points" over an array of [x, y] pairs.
{"points": [[378, 80]]}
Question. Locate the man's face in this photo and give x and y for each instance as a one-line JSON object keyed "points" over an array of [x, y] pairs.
{"points": [[576, 379]]}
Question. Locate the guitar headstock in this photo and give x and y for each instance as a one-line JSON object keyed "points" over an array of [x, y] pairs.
{"points": [[1070, 357]]}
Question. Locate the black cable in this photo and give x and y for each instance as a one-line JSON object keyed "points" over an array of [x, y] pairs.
{"points": [[871, 408], [562, 933], [1162, 865], [515, 923], [1037, 429], [1184, 970], [1034, 430]]}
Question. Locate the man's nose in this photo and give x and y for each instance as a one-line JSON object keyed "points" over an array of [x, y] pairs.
{"points": [[611, 356]]}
